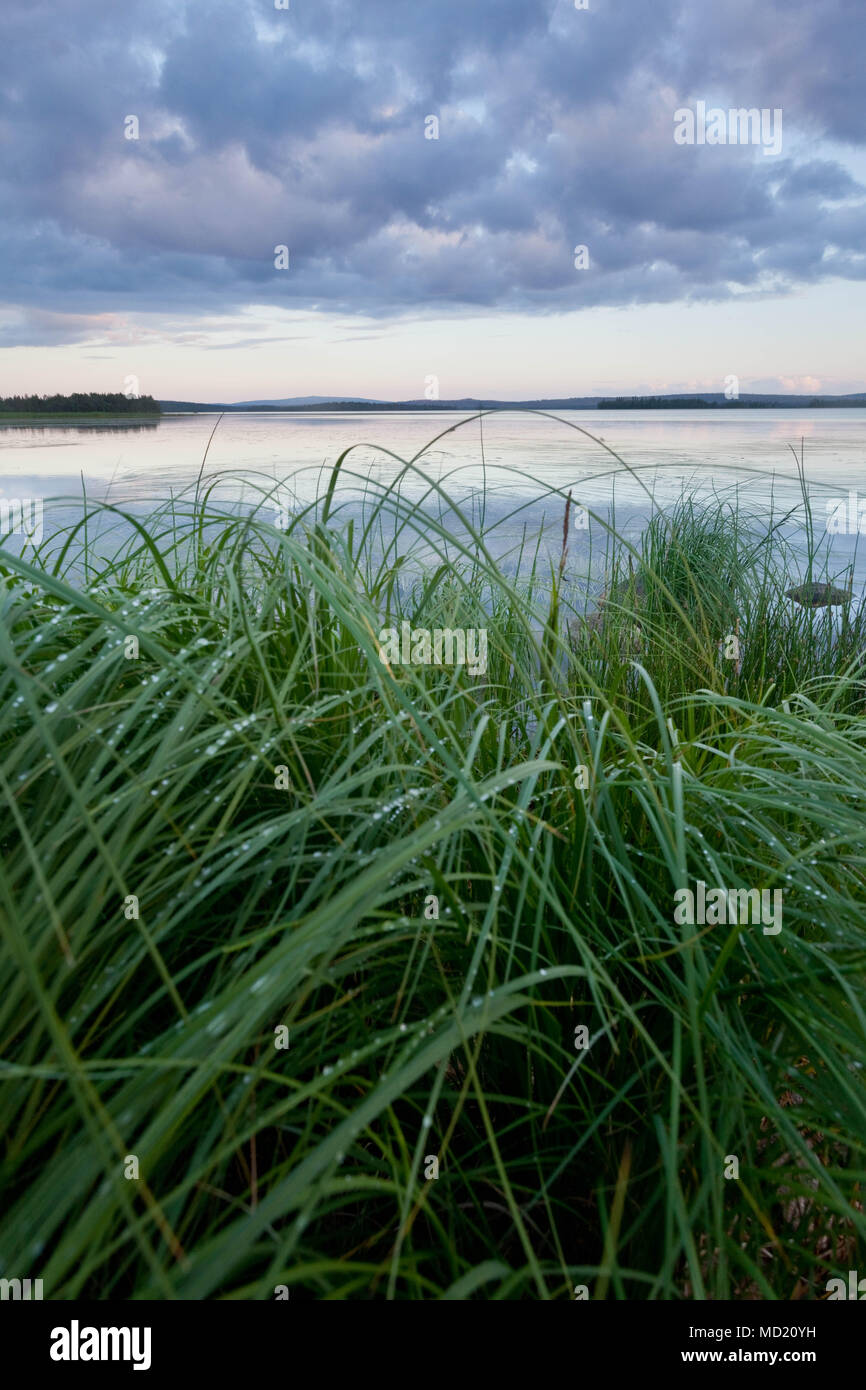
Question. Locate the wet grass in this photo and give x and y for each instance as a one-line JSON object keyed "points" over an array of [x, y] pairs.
{"points": [[254, 824]]}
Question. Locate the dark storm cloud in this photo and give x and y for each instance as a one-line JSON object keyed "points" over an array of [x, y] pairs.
{"points": [[262, 127]]}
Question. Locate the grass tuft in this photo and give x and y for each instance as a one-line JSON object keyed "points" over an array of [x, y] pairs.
{"points": [[256, 824]]}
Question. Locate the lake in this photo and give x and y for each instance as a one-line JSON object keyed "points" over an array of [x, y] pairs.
{"points": [[508, 462]]}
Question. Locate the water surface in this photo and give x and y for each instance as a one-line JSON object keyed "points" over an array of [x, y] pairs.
{"points": [[507, 462]]}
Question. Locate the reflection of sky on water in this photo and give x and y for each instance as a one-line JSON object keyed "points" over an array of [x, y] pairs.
{"points": [[501, 467]]}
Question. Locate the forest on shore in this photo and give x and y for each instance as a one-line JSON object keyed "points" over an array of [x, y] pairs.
{"points": [[80, 403]]}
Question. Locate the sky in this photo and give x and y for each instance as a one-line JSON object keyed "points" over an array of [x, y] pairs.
{"points": [[431, 170]]}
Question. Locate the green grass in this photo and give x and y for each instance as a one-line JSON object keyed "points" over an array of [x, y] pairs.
{"points": [[297, 898]]}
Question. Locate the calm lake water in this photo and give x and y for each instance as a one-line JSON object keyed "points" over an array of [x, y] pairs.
{"points": [[506, 461]]}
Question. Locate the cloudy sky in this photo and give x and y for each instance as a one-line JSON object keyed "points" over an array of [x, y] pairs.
{"points": [[410, 257]]}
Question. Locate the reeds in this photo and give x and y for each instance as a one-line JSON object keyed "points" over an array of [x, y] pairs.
{"points": [[255, 824]]}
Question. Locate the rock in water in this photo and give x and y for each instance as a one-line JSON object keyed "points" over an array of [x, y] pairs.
{"points": [[818, 595]]}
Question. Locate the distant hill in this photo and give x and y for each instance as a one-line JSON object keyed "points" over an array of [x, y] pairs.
{"points": [[302, 400], [683, 401]]}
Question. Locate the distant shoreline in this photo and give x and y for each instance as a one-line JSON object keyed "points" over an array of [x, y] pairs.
{"points": [[582, 403], [79, 404]]}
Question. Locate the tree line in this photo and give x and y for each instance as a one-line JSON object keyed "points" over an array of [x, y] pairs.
{"points": [[655, 403], [80, 403]]}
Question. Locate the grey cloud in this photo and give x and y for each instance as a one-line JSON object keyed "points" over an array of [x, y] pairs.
{"points": [[306, 128]]}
